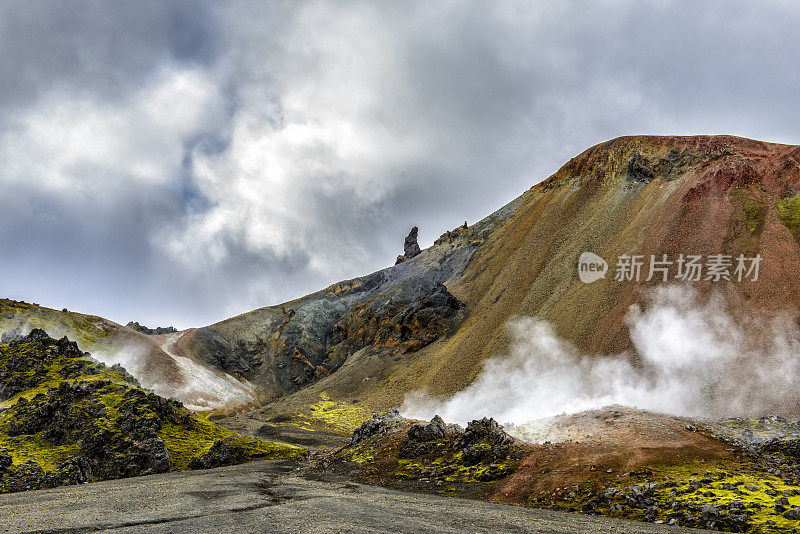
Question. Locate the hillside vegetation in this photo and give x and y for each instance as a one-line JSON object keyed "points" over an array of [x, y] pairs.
{"points": [[66, 418]]}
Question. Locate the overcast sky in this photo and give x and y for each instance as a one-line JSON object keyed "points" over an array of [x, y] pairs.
{"points": [[176, 163]]}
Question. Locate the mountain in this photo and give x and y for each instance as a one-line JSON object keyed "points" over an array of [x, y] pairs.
{"points": [[532, 312], [642, 195], [432, 321]]}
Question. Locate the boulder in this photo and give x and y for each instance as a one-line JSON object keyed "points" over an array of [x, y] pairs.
{"points": [[26, 476], [77, 470], [37, 334], [226, 451], [436, 429], [709, 513], [379, 424], [793, 514], [484, 439], [421, 437]]}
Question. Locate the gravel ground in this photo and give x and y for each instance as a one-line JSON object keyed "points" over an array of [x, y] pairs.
{"points": [[273, 497]]}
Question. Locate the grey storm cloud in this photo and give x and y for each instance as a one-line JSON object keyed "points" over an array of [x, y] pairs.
{"points": [[178, 162]]}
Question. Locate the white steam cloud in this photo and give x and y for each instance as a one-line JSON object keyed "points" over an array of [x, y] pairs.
{"points": [[196, 386], [689, 358], [206, 389]]}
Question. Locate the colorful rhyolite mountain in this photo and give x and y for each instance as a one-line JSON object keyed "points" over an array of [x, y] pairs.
{"points": [[431, 322]]}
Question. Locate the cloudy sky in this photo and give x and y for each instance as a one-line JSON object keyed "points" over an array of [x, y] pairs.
{"points": [[179, 162]]}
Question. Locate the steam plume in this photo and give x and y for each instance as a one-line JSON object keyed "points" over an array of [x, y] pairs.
{"points": [[689, 358]]}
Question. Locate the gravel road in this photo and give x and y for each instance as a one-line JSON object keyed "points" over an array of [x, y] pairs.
{"points": [[274, 496]]}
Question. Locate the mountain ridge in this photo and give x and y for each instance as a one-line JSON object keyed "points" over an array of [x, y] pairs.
{"points": [[367, 341]]}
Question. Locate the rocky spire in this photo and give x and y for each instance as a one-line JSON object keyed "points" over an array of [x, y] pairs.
{"points": [[410, 247]]}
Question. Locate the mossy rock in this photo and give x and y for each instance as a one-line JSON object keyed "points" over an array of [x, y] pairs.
{"points": [[67, 419]]}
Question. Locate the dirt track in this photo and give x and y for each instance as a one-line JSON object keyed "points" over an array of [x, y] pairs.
{"points": [[273, 497]]}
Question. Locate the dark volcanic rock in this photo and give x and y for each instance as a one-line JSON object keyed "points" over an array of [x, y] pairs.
{"points": [[409, 326], [23, 370], [484, 439], [421, 437], [436, 429], [73, 471], [28, 475], [410, 246], [151, 331], [75, 414], [124, 372], [224, 452], [379, 424], [94, 420], [402, 321], [793, 514], [639, 170], [783, 445], [236, 359]]}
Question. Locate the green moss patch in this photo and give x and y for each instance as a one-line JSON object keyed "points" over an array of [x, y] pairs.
{"points": [[36, 448], [325, 415], [755, 213], [789, 213], [451, 469], [185, 446], [752, 211], [90, 331], [733, 496]]}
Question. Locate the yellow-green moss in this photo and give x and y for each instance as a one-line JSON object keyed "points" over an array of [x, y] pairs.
{"points": [[89, 331], [53, 379], [205, 414], [185, 440], [729, 473], [24, 448], [476, 473], [184, 445], [789, 213], [330, 416], [361, 454], [755, 213], [452, 468], [747, 225], [258, 448]]}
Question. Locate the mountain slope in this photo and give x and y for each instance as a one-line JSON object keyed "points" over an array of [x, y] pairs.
{"points": [[390, 314], [698, 195], [642, 195], [431, 322]]}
